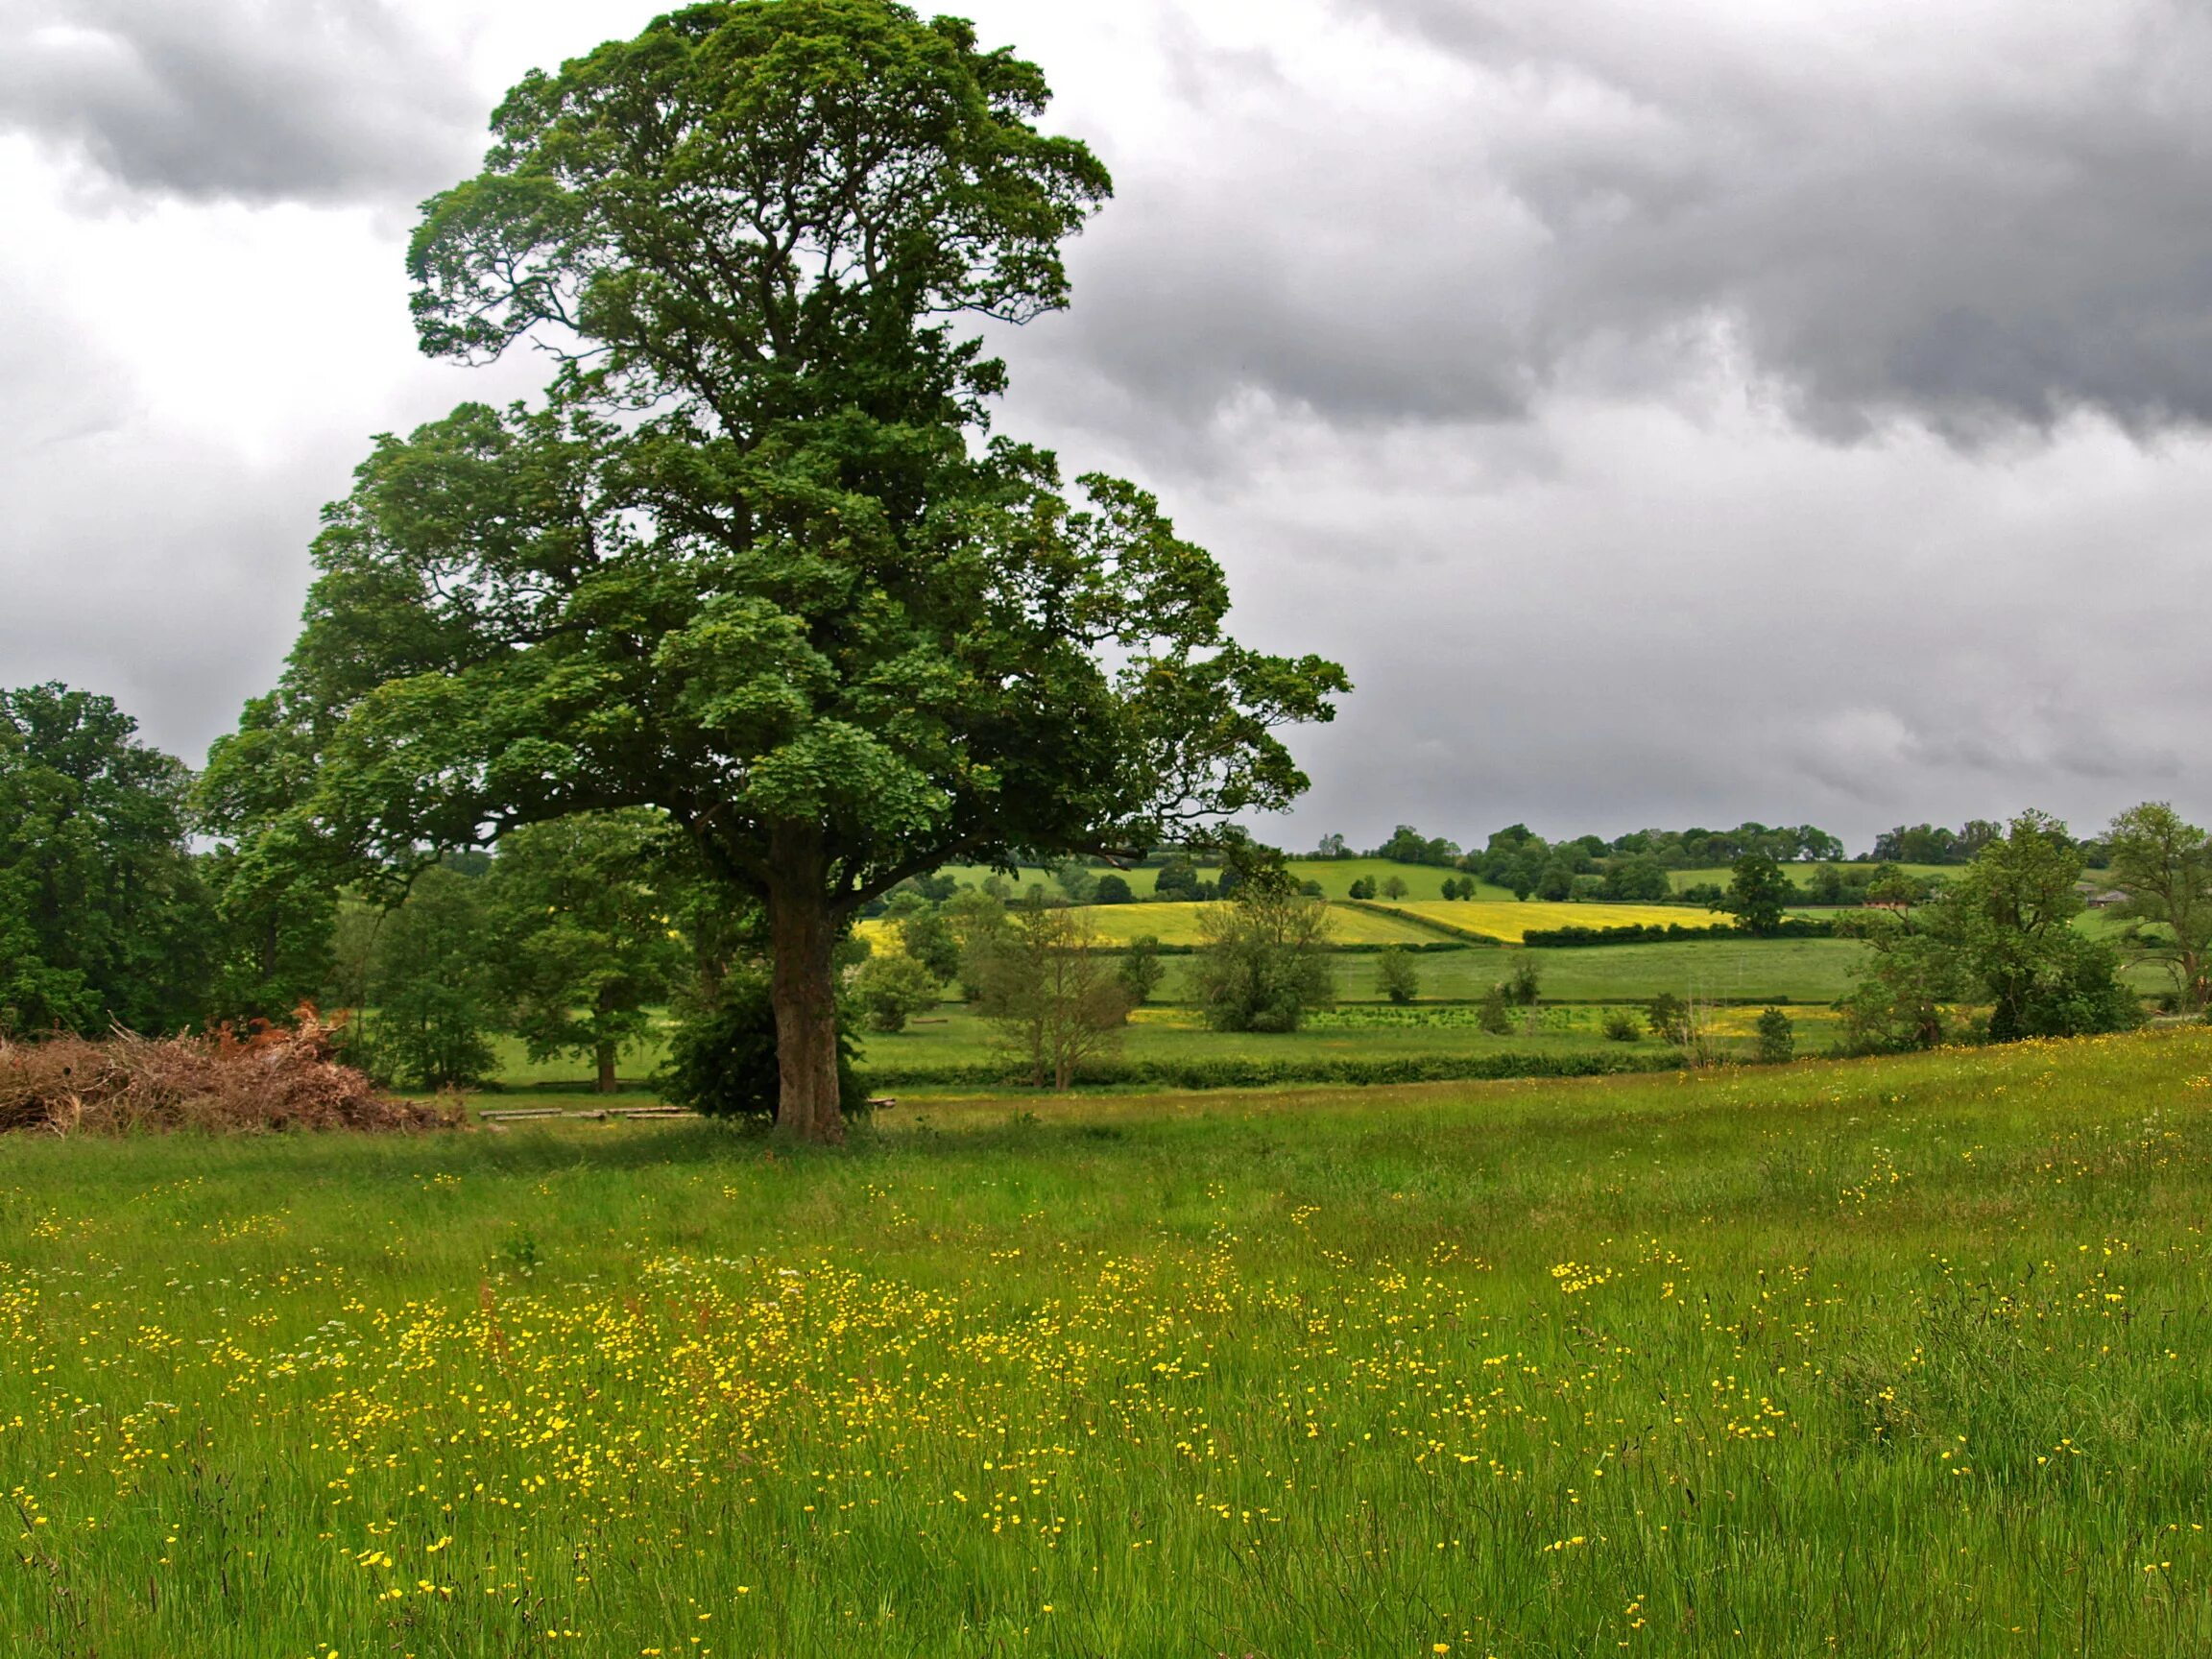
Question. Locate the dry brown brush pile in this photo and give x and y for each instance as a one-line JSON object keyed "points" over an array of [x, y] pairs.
{"points": [[274, 1078]]}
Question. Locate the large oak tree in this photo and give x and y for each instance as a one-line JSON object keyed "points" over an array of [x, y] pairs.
{"points": [[753, 559]]}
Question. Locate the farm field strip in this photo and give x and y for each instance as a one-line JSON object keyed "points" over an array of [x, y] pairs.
{"points": [[1508, 921], [1177, 923], [1334, 876], [1803, 1361]]}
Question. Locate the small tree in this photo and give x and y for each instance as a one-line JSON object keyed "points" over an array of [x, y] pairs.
{"points": [[928, 937], [1056, 998], [1759, 894], [1892, 889], [433, 987], [1112, 888], [892, 988], [584, 944], [1396, 977], [2164, 868], [2009, 921], [1076, 881], [1265, 963], [1670, 1019], [1900, 1000], [1777, 1040], [977, 917], [1177, 882], [1394, 887], [1525, 984], [1141, 970], [103, 916], [1362, 887], [1492, 1014]]}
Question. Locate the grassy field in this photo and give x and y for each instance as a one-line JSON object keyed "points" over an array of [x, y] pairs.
{"points": [[1508, 921], [1796, 970], [1895, 1357], [958, 1038]]}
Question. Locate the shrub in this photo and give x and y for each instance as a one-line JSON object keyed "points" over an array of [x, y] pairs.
{"points": [[1264, 962], [1777, 1038], [1621, 1025], [891, 989], [1111, 889], [1670, 1019], [1141, 970], [1491, 1013], [1524, 983], [1395, 976], [722, 1059], [929, 940], [1670, 933]]}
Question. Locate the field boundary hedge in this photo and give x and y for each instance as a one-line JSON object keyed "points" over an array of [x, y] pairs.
{"points": [[1263, 1072], [1361, 947], [1673, 933]]}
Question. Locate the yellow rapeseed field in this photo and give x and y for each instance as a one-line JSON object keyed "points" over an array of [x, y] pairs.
{"points": [[1178, 923], [1507, 920]]}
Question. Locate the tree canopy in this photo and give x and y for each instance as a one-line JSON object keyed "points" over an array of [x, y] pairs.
{"points": [[2163, 865], [102, 916], [755, 560]]}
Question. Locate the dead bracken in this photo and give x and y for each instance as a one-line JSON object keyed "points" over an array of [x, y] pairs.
{"points": [[272, 1079]]}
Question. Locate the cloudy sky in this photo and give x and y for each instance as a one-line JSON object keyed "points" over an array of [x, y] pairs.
{"points": [[1790, 409]]}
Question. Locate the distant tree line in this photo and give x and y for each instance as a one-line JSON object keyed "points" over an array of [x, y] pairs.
{"points": [[1639, 867], [126, 899]]}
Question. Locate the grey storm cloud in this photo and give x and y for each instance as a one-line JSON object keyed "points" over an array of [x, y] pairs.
{"points": [[1977, 216], [319, 101], [1669, 412]]}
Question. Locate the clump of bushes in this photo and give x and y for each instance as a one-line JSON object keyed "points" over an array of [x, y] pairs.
{"points": [[272, 1079]]}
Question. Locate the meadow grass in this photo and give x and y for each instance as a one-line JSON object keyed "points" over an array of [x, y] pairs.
{"points": [[1791, 970], [1879, 1356], [956, 1039]]}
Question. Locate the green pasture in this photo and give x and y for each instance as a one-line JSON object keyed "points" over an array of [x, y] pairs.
{"points": [[1866, 1358], [1798, 969], [957, 1039], [1806, 974]]}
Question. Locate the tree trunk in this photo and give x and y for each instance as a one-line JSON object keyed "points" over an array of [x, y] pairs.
{"points": [[605, 1051], [801, 932]]}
